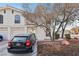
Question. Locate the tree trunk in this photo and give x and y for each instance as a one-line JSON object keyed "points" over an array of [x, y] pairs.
{"points": [[59, 27], [62, 35], [63, 29], [53, 34]]}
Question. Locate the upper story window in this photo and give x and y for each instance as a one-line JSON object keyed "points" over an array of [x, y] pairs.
{"points": [[4, 11], [1, 19], [17, 19], [12, 11]]}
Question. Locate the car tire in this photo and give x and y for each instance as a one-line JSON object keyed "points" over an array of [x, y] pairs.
{"points": [[8, 50]]}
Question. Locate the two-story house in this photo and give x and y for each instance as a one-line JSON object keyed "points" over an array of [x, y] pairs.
{"points": [[11, 22]]}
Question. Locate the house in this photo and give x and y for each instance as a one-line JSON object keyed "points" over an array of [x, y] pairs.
{"points": [[12, 23], [75, 30]]}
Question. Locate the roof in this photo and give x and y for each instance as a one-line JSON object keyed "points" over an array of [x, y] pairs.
{"points": [[11, 7]]}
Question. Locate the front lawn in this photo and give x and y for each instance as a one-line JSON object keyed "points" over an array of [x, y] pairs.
{"points": [[48, 48]]}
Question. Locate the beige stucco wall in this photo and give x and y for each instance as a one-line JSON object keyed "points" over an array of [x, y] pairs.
{"points": [[40, 33], [9, 28], [4, 32], [13, 29], [9, 18]]}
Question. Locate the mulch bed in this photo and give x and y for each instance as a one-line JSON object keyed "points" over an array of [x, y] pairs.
{"points": [[48, 48]]}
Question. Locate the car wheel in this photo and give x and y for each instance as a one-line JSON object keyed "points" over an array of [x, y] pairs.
{"points": [[8, 50]]}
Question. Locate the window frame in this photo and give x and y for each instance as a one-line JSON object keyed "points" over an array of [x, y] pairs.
{"points": [[1, 19], [4, 11], [17, 19], [12, 11]]}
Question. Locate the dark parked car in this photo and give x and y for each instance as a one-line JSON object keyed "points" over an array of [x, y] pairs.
{"points": [[1, 37], [22, 43]]}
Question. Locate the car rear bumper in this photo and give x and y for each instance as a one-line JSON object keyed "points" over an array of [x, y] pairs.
{"points": [[18, 50]]}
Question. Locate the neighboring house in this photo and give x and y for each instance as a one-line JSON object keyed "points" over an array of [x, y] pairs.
{"points": [[75, 30], [12, 23]]}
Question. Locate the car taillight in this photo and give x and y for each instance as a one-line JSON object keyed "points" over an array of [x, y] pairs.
{"points": [[9, 44], [28, 43]]}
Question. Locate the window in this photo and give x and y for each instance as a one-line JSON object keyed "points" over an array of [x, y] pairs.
{"points": [[17, 19], [4, 11], [1, 19], [20, 38], [12, 11]]}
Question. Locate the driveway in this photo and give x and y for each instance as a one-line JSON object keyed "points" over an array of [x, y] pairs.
{"points": [[3, 50]]}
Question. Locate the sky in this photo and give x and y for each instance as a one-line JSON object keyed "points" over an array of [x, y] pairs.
{"points": [[16, 5]]}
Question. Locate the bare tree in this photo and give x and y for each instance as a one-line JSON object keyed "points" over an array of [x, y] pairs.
{"points": [[67, 16], [47, 16]]}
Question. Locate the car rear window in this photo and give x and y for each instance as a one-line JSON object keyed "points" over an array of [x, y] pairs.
{"points": [[20, 38]]}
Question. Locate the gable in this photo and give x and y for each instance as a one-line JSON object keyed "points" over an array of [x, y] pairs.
{"points": [[10, 8]]}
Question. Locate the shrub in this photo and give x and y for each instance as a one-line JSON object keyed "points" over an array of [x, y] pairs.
{"points": [[67, 36], [57, 35]]}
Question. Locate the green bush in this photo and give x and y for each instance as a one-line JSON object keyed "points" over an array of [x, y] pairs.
{"points": [[57, 35], [67, 36]]}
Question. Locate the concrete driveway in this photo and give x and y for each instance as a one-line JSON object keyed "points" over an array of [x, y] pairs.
{"points": [[3, 50]]}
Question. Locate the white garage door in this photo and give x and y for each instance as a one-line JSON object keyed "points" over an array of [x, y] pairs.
{"points": [[40, 33], [4, 32]]}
